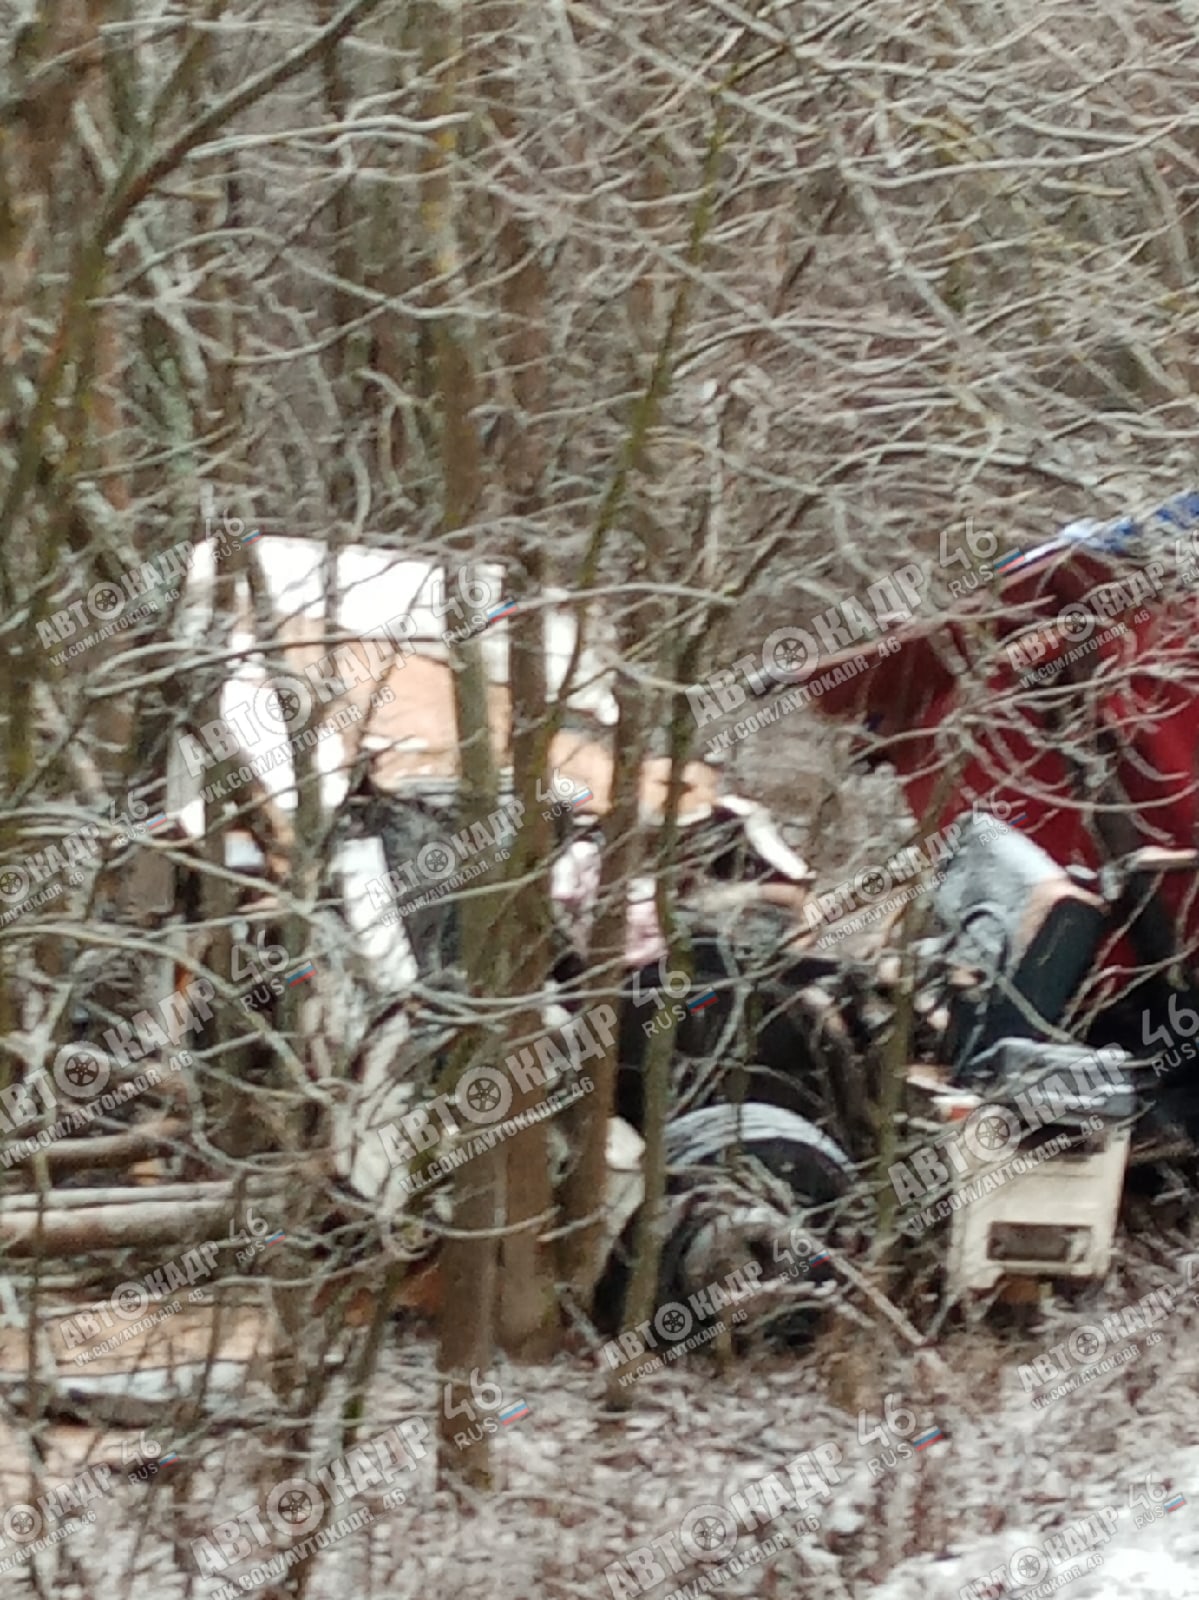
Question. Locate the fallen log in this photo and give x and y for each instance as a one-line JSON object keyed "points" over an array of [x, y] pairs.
{"points": [[76, 1221], [81, 1199], [112, 1228], [108, 1150]]}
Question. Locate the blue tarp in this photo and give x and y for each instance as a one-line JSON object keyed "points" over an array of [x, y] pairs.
{"points": [[1177, 518]]}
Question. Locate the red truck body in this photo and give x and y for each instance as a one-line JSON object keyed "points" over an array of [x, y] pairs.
{"points": [[1059, 670]]}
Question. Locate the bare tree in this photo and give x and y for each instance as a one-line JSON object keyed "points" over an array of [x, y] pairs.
{"points": [[717, 317]]}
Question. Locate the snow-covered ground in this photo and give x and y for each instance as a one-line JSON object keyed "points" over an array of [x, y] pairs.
{"points": [[1005, 1490]]}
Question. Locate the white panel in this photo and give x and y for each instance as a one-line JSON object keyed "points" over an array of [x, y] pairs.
{"points": [[379, 1099], [560, 633], [374, 588], [294, 574], [384, 944]]}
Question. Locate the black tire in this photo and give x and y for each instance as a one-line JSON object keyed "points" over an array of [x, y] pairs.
{"points": [[814, 1167]]}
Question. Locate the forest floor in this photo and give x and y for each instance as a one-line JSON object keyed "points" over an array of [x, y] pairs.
{"points": [[1010, 1497], [1007, 1498]]}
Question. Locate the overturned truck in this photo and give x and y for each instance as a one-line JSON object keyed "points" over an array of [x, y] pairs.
{"points": [[1035, 981], [1035, 943], [1043, 726]]}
